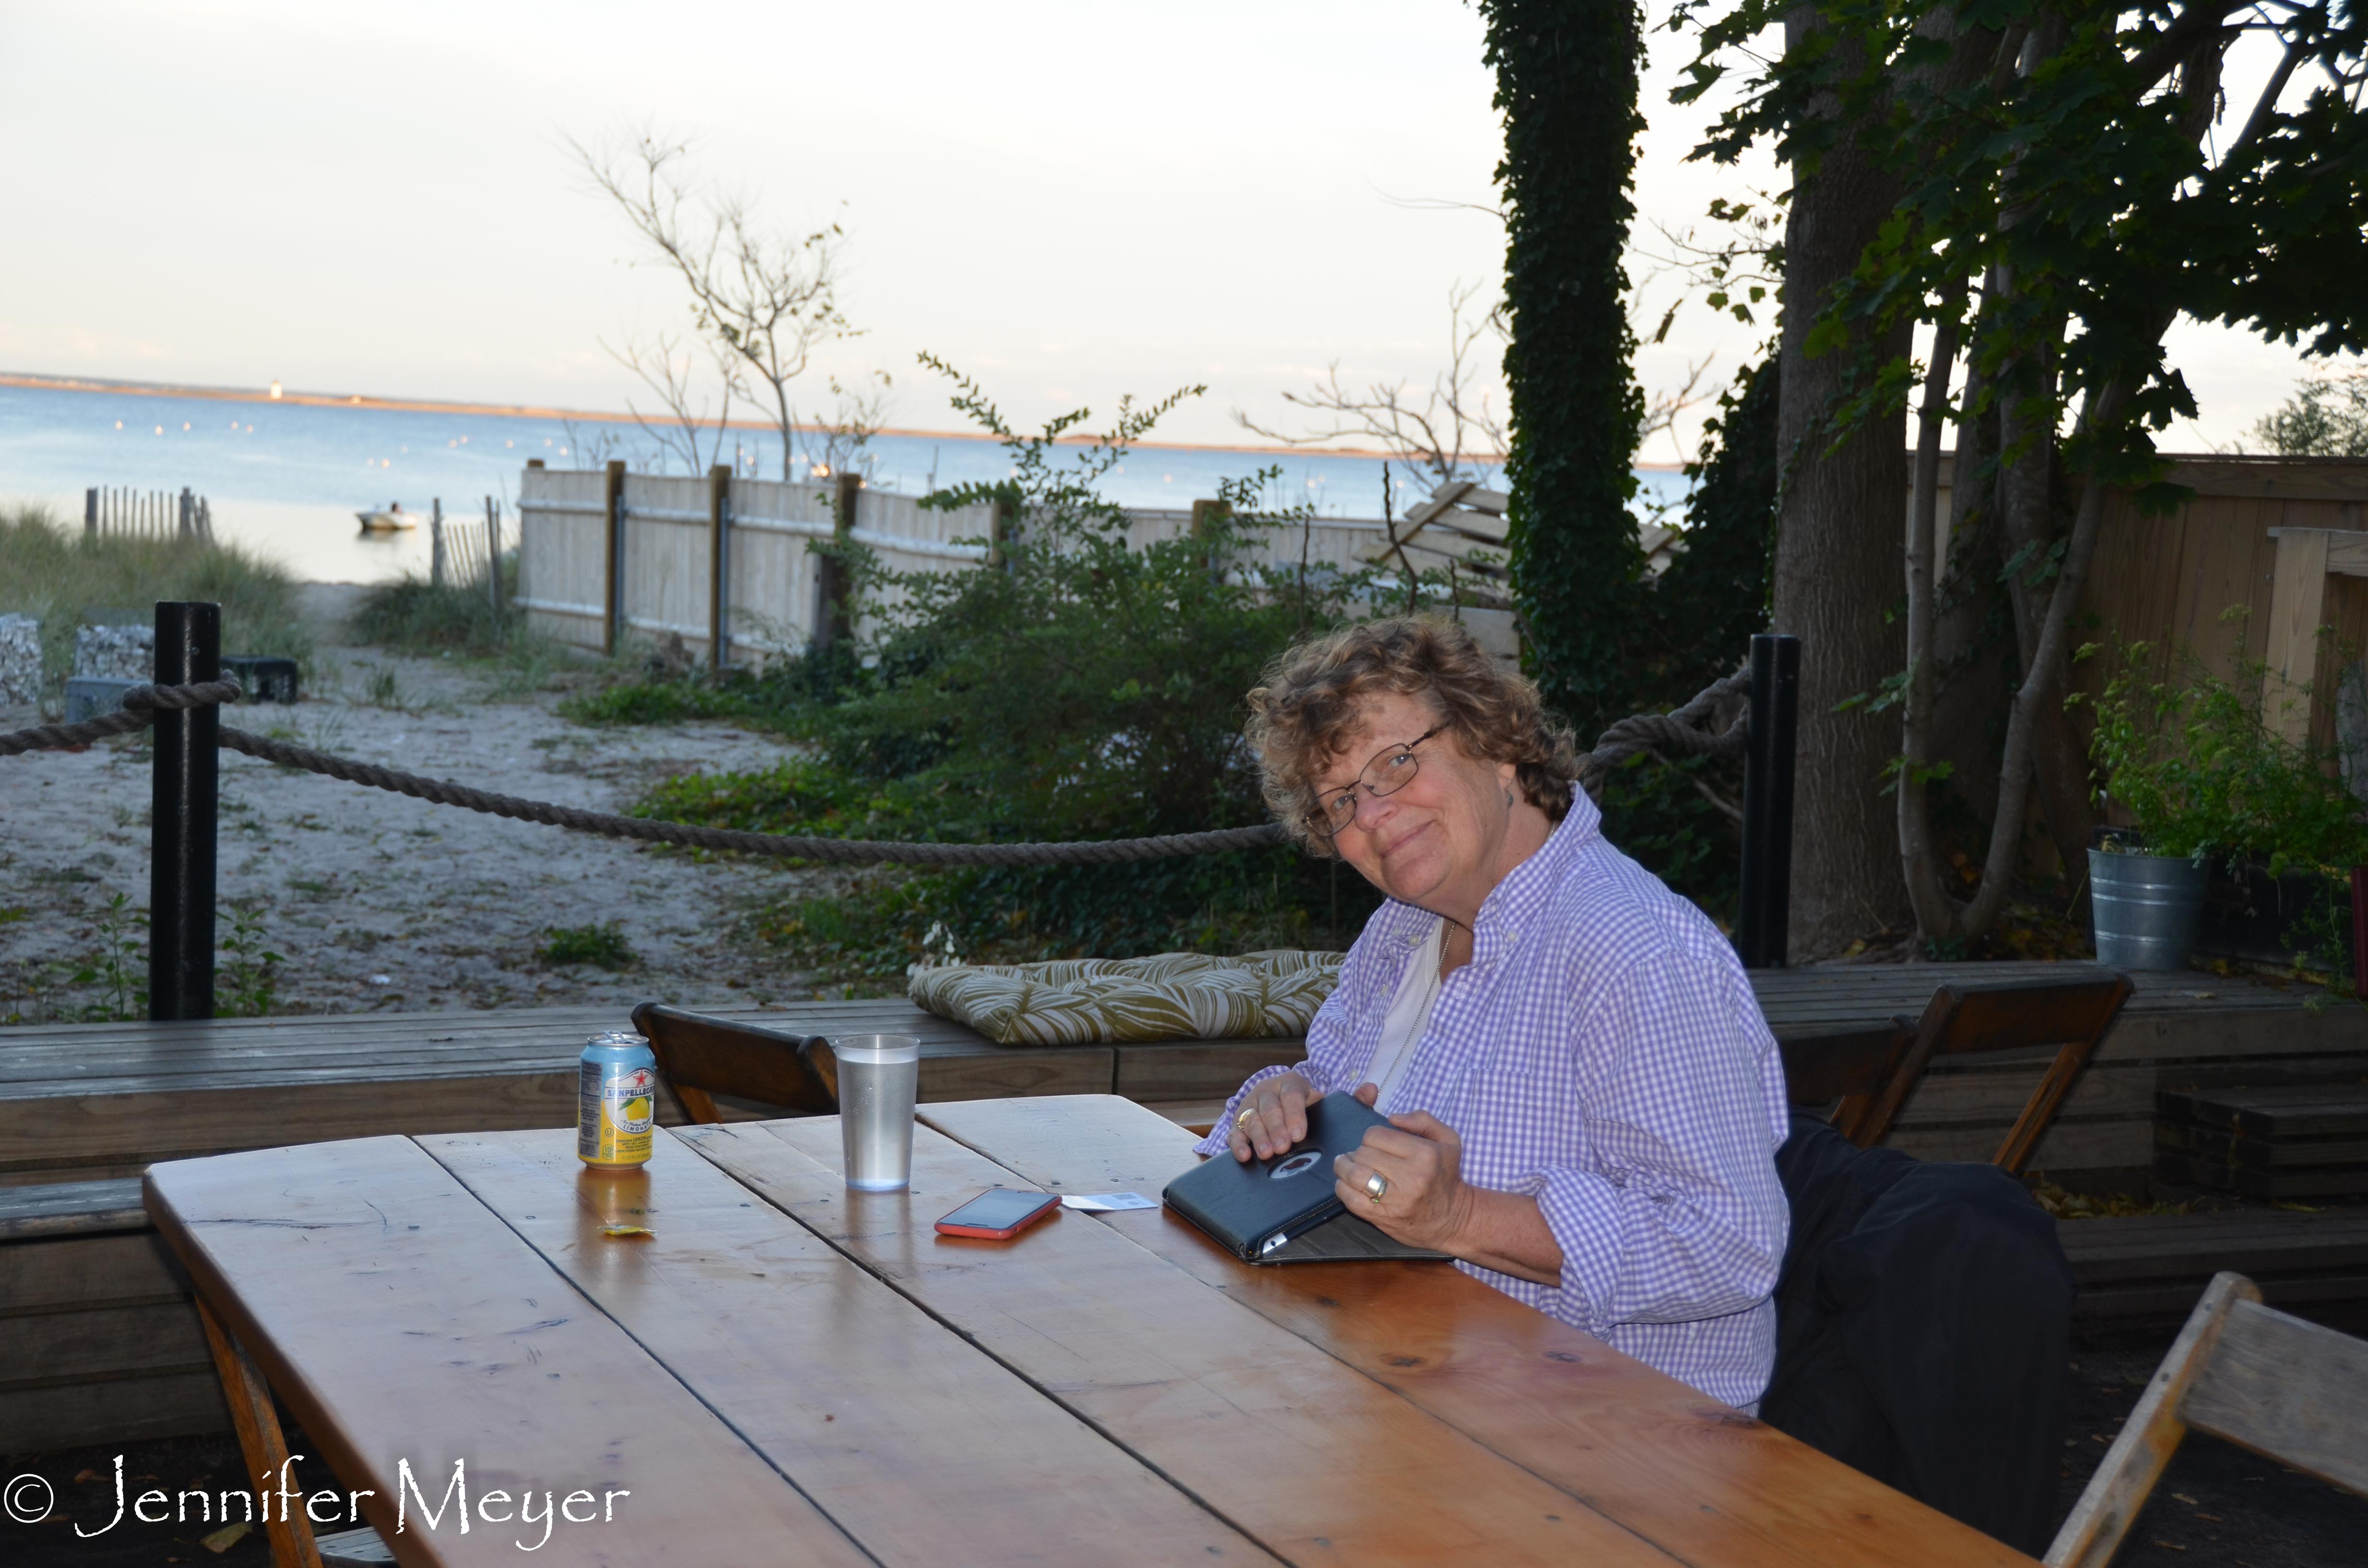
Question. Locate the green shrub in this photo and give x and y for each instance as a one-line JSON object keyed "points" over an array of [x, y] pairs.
{"points": [[1089, 688], [804, 798], [412, 615], [654, 702], [602, 945], [2190, 765], [2196, 771]]}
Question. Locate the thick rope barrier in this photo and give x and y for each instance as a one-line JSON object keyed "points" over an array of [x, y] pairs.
{"points": [[139, 711], [1675, 731], [1680, 730], [843, 851]]}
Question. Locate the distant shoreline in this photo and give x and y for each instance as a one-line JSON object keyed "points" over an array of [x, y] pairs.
{"points": [[532, 411]]}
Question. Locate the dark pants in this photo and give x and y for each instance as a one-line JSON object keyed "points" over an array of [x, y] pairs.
{"points": [[1923, 1330]]}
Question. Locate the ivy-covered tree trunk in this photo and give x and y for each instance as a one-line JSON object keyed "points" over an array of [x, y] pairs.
{"points": [[1567, 86], [1840, 541]]}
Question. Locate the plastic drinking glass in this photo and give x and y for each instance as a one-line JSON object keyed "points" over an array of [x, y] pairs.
{"points": [[879, 1076]]}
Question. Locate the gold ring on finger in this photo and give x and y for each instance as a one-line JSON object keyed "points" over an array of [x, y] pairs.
{"points": [[1246, 1116]]}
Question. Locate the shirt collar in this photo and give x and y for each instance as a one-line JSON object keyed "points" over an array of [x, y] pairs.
{"points": [[1515, 903]]}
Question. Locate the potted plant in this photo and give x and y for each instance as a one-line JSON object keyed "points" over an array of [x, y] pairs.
{"points": [[2195, 782]]}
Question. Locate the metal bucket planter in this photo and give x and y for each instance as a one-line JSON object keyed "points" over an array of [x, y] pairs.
{"points": [[2148, 909]]}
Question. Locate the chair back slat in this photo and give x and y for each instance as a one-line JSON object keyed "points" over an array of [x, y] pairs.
{"points": [[2258, 1377], [1819, 1068], [2141, 1451], [2288, 1388], [2023, 1017], [707, 1056], [2071, 1016]]}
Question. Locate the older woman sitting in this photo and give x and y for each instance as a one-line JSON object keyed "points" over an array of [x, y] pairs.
{"points": [[1583, 1100]]}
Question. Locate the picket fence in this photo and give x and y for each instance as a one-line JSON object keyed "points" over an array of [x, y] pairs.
{"points": [[606, 556]]}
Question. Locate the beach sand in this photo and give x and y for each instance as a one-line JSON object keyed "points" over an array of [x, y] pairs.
{"points": [[380, 902]]}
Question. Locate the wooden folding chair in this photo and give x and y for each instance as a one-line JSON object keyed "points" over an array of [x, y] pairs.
{"points": [[1850, 1067], [2252, 1374], [2072, 1016], [701, 1057]]}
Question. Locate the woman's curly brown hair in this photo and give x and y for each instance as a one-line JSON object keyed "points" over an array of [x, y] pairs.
{"points": [[1301, 715]]}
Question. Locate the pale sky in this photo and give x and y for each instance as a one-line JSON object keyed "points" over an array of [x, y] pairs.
{"points": [[1070, 200]]}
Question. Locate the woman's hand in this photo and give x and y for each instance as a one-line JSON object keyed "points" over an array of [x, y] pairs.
{"points": [[1424, 1202], [1271, 1119]]}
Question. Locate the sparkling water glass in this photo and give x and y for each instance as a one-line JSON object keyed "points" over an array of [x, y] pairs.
{"points": [[878, 1078]]}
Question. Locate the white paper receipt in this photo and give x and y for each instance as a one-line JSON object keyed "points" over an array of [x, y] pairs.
{"points": [[1106, 1202]]}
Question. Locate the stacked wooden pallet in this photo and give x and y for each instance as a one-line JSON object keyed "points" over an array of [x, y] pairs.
{"points": [[2286, 1141], [2149, 1269]]}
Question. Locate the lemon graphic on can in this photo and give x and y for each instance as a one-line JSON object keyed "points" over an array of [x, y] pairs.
{"points": [[617, 1102]]}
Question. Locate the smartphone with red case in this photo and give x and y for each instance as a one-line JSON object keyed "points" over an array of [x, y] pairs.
{"points": [[999, 1213]]}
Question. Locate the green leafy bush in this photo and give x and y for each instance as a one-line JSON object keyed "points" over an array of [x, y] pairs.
{"points": [[602, 945], [2196, 771], [806, 798], [1086, 687], [1092, 687], [656, 702]]}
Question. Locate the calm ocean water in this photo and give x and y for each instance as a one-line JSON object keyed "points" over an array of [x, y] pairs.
{"points": [[286, 479]]}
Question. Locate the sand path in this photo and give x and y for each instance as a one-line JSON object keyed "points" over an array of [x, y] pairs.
{"points": [[378, 901]]}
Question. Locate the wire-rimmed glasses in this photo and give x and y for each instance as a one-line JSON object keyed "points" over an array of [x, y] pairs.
{"points": [[1390, 770]]}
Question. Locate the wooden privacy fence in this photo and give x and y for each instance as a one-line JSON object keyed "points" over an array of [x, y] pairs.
{"points": [[121, 512], [2253, 526], [724, 561]]}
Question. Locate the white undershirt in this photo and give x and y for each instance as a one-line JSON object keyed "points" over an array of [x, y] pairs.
{"points": [[1408, 1015]]}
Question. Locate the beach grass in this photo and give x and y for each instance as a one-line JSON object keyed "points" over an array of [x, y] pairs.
{"points": [[412, 615], [66, 580]]}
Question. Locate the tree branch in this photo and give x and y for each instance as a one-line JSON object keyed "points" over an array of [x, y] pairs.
{"points": [[1936, 912]]}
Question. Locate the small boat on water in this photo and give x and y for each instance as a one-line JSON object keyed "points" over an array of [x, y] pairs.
{"points": [[390, 519]]}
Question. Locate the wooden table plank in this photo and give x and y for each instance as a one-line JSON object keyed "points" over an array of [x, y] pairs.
{"points": [[1317, 1463], [401, 1321], [1678, 1468], [922, 1448]]}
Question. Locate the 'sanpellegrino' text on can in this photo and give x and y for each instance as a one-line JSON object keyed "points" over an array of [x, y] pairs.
{"points": [[616, 1103]]}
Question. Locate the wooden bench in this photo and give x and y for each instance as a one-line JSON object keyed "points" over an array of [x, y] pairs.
{"points": [[90, 1101]]}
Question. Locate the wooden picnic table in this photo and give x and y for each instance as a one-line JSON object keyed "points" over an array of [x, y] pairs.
{"points": [[786, 1370]]}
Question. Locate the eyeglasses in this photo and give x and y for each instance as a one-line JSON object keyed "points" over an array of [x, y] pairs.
{"points": [[1390, 770]]}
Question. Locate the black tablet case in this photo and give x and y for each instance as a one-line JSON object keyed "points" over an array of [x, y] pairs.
{"points": [[1283, 1209]]}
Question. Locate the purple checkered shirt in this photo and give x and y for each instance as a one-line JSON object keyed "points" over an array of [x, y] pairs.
{"points": [[1603, 1053]]}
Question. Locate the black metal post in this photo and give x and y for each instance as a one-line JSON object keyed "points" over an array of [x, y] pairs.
{"points": [[181, 835], [1763, 924]]}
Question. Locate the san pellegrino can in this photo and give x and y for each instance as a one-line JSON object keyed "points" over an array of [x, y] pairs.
{"points": [[616, 1101]]}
